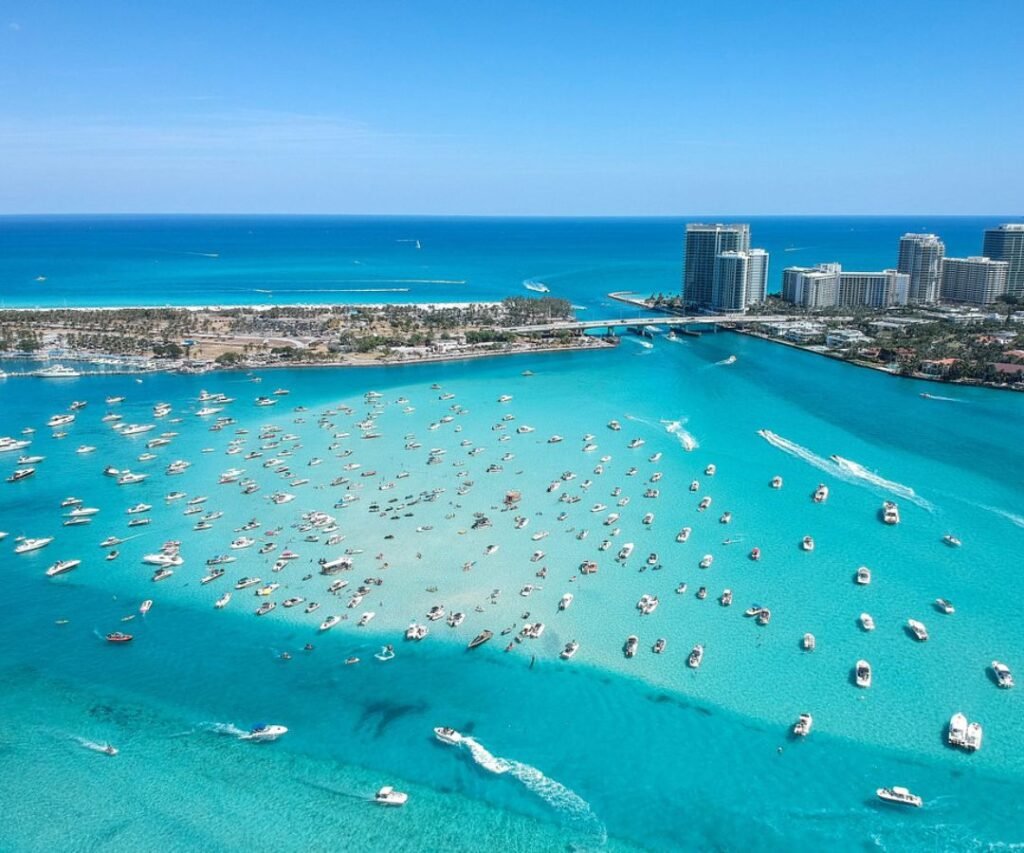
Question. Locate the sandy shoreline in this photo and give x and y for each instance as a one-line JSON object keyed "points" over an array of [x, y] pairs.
{"points": [[426, 306]]}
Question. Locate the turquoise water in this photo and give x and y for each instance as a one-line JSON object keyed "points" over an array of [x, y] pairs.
{"points": [[599, 752], [89, 260]]}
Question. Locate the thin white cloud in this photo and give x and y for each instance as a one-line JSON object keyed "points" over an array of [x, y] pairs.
{"points": [[14, 26]]}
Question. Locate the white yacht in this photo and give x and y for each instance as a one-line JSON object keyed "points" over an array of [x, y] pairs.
{"points": [[329, 623], [899, 795], [57, 371], [945, 606], [127, 478], [1004, 678], [60, 420], [683, 534], [388, 796], [264, 732], [565, 601], [802, 728], [918, 630], [8, 444], [696, 657], [222, 602], [448, 736], [625, 551], [24, 546], [416, 632], [62, 566], [570, 649], [706, 561], [862, 673], [365, 619]]}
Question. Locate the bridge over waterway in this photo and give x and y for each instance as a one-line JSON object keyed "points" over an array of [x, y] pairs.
{"points": [[656, 320]]}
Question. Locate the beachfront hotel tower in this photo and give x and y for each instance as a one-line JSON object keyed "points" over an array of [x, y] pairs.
{"points": [[920, 258], [829, 286], [1006, 243], [973, 281], [720, 270]]}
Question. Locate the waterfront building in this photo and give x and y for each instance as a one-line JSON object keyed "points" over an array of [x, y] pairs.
{"points": [[1006, 243], [739, 280], [828, 286], [704, 243], [973, 281], [920, 258]]}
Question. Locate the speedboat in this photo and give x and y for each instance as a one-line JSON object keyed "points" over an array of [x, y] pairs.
{"points": [[570, 649], [364, 620], [222, 602], [659, 646], [899, 795], [448, 736], [710, 471], [802, 728], [1004, 678], [388, 796], [614, 425], [27, 545], [776, 482], [808, 642], [625, 551], [807, 543], [329, 623], [705, 502], [890, 512], [683, 534], [480, 639], [945, 606], [918, 630], [862, 673], [863, 576], [866, 622], [755, 554], [565, 601], [264, 732], [706, 561], [118, 637], [694, 485], [951, 540], [821, 493], [629, 649], [265, 608], [416, 632], [21, 474], [162, 574], [62, 566], [696, 657]]}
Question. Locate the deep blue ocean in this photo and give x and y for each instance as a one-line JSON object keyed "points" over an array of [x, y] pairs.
{"points": [[599, 752], [157, 260]]}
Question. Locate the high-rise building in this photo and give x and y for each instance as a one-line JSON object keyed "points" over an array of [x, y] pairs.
{"points": [[812, 287], [921, 259], [975, 281], [704, 243], [828, 286], [739, 280], [1006, 243]]}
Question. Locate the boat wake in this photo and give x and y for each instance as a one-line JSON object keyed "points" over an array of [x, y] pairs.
{"points": [[845, 469], [943, 399], [1005, 513], [686, 439], [223, 729], [726, 361], [90, 744], [554, 793]]}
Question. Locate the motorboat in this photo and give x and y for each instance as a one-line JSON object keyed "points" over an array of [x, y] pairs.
{"points": [[365, 619], [659, 646], [709, 471], [448, 736], [863, 576], [945, 606], [862, 673], [807, 543], [706, 561], [1004, 678], [648, 518], [625, 551], [329, 623], [263, 732], [763, 617], [614, 425], [866, 622], [917, 629], [27, 545], [755, 554], [629, 649], [118, 637], [683, 534], [821, 493], [704, 504], [21, 474], [890, 512], [570, 649], [146, 606], [647, 604], [776, 482], [244, 583], [726, 598], [694, 485], [565, 601], [726, 518], [696, 657], [802, 728], [265, 608], [952, 541], [900, 796], [480, 639], [222, 602], [456, 619], [388, 796], [162, 574], [635, 443], [702, 593], [62, 566], [808, 643], [416, 632]]}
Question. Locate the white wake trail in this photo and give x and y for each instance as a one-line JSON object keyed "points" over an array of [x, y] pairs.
{"points": [[686, 439]]}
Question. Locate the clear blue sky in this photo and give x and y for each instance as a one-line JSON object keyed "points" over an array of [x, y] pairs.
{"points": [[661, 108]]}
